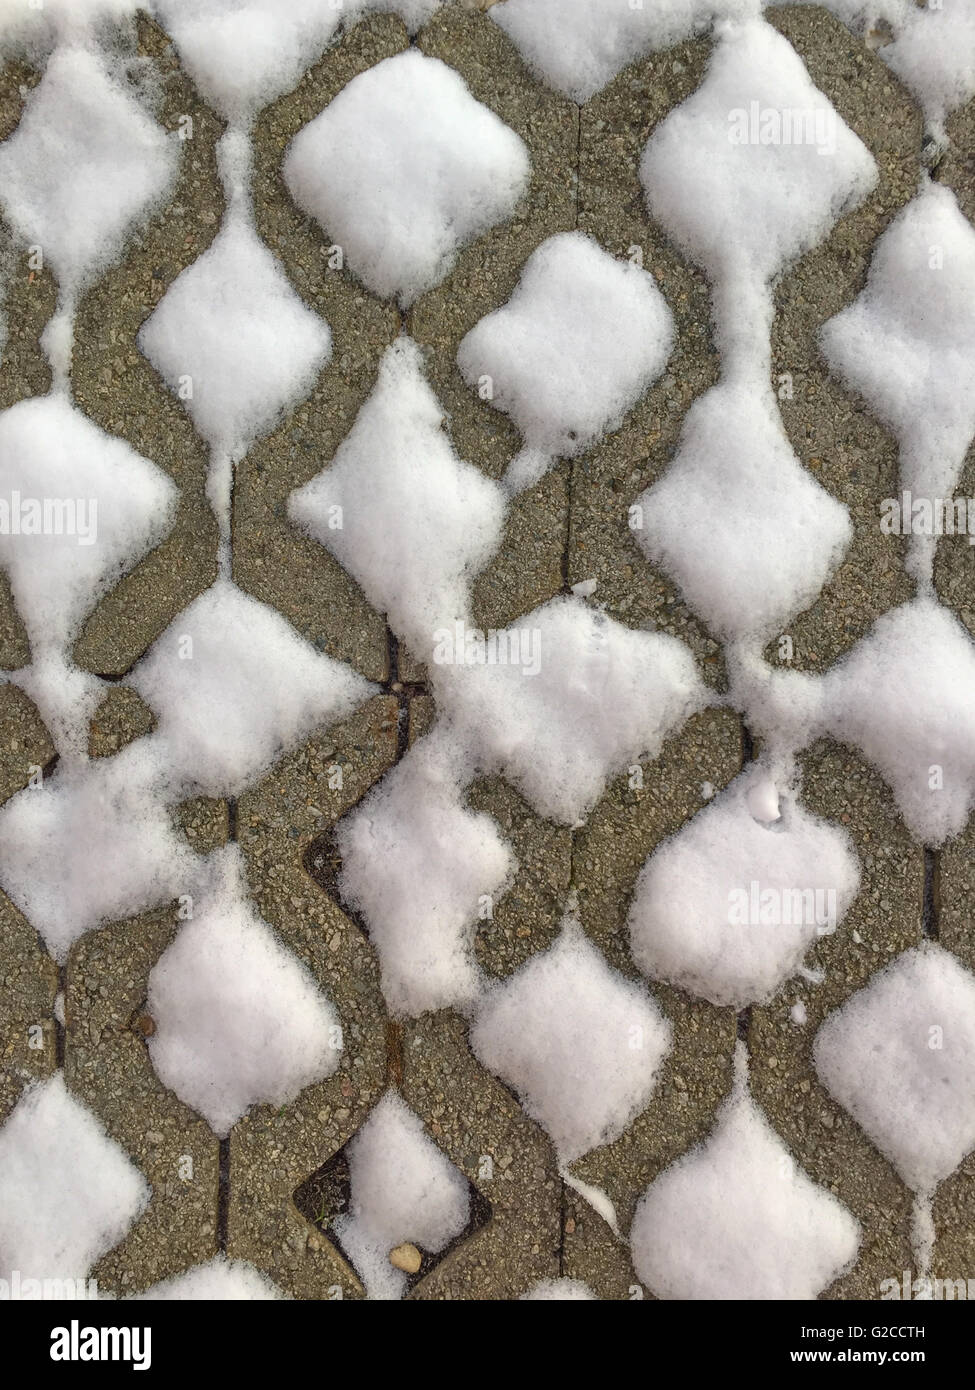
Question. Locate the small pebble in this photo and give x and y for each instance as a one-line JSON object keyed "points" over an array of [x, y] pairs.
{"points": [[407, 1258]]}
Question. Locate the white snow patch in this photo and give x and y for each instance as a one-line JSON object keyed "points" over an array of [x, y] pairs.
{"points": [[409, 520], [404, 1189], [231, 330], [581, 1044], [934, 55], [728, 906], [243, 54], [239, 1021], [750, 206], [902, 696], [900, 1057], [440, 862], [92, 845], [218, 1280], [748, 535], [578, 46], [602, 696], [737, 1218], [577, 344], [68, 1193], [402, 169], [234, 688], [907, 344], [84, 166], [110, 505]]}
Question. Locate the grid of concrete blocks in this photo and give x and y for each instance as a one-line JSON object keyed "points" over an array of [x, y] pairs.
{"points": [[268, 1192]]}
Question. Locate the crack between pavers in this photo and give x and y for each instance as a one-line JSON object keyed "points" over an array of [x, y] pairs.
{"points": [[59, 1029], [743, 1018], [931, 896], [223, 1196], [223, 1181], [563, 1217]]}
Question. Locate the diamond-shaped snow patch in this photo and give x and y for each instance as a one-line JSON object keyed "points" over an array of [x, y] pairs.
{"points": [[404, 1191], [900, 1057], [409, 520], [577, 344], [748, 535], [728, 906], [756, 166], [568, 698], [78, 509], [904, 696], [239, 1020], [907, 343], [402, 169], [234, 340], [234, 688], [580, 1043], [418, 865], [737, 1218], [92, 845], [67, 1191], [84, 165]]}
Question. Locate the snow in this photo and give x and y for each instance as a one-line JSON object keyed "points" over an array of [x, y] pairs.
{"points": [[117, 853], [232, 330], [441, 862], [902, 697], [933, 53], [558, 702], [602, 696], [218, 1280], [581, 1044], [907, 345], [409, 520], [243, 54], [564, 1290], [31, 29], [113, 506], [402, 169], [745, 531], [84, 166], [578, 46], [737, 1218], [575, 347], [686, 920], [756, 205], [233, 688], [68, 1193], [404, 1190], [899, 1055], [239, 1022]]}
